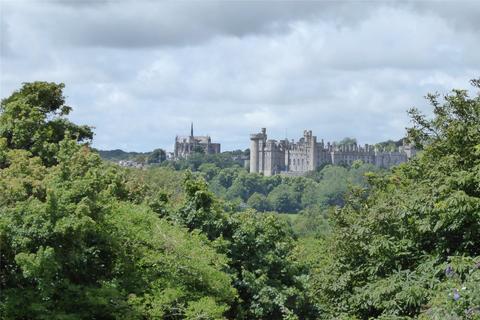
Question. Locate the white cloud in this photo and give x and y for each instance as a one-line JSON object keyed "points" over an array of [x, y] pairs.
{"points": [[142, 75]]}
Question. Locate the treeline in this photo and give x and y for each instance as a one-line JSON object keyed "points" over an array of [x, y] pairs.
{"points": [[320, 189], [221, 160], [84, 239]]}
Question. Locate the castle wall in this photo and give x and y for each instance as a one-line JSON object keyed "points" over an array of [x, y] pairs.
{"points": [[390, 159], [273, 157], [348, 157]]}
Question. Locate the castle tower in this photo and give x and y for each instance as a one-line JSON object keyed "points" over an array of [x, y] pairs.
{"points": [[311, 151], [257, 143]]}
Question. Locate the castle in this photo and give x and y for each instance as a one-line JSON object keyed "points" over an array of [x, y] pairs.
{"points": [[296, 158], [185, 146]]}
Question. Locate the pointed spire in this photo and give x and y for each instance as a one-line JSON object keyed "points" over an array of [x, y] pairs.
{"points": [[191, 129]]}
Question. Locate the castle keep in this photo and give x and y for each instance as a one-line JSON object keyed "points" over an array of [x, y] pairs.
{"points": [[185, 146], [272, 157]]}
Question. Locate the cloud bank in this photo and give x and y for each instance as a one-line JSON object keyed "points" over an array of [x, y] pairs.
{"points": [[140, 72]]}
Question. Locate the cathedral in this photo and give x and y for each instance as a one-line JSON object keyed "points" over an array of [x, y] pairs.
{"points": [[185, 146], [296, 158]]}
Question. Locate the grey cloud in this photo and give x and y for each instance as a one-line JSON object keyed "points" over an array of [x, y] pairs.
{"points": [[463, 15], [345, 69], [79, 3], [131, 24], [137, 24]]}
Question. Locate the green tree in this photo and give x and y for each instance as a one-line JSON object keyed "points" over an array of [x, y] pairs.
{"points": [[244, 185], [312, 222], [271, 285], [200, 210], [199, 150], [284, 199], [157, 156], [209, 169], [346, 141], [226, 176], [258, 202], [33, 118], [270, 282], [389, 145]]}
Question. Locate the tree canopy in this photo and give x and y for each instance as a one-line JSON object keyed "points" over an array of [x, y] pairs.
{"points": [[410, 248], [33, 118], [74, 245]]}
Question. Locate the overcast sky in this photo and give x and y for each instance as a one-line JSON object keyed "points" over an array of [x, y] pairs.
{"points": [[141, 71]]}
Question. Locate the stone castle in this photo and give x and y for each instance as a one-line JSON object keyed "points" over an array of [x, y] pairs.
{"points": [[185, 146], [296, 158]]}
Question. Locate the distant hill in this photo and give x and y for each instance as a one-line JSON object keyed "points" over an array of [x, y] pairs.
{"points": [[117, 155], [155, 156]]}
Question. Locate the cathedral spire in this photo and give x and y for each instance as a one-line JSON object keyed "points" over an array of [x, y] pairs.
{"points": [[191, 130]]}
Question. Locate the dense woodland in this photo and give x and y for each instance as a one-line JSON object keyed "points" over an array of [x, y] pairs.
{"points": [[82, 238]]}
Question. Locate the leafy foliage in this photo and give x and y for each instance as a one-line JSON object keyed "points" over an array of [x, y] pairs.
{"points": [[195, 160], [320, 189], [410, 246], [346, 141], [76, 243], [33, 118], [270, 283], [73, 248]]}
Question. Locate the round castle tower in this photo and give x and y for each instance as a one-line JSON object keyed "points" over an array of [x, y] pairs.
{"points": [[255, 150]]}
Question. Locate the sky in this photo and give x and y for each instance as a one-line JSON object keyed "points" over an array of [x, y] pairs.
{"points": [[141, 71]]}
